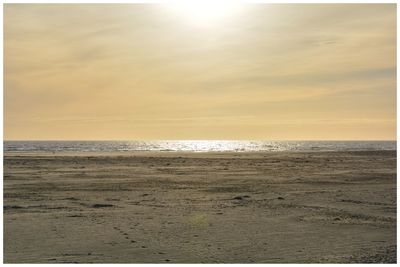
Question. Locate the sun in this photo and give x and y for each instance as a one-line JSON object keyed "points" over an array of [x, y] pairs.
{"points": [[204, 13]]}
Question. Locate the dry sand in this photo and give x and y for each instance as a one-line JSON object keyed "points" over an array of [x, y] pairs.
{"points": [[200, 207]]}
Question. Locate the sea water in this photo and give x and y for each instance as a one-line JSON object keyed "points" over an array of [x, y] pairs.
{"points": [[196, 146]]}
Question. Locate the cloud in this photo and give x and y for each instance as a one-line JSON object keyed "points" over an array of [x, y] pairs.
{"points": [[138, 65]]}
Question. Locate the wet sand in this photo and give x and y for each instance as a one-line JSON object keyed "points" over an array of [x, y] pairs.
{"points": [[200, 207]]}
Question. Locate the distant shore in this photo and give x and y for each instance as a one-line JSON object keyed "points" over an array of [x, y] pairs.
{"points": [[211, 207]]}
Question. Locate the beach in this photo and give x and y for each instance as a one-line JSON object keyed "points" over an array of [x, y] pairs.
{"points": [[172, 207]]}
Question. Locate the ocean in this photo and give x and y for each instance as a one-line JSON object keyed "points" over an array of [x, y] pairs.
{"points": [[195, 146]]}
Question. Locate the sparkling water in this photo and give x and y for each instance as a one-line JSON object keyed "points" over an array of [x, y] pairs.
{"points": [[196, 146]]}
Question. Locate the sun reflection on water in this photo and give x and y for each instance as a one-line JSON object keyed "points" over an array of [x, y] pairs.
{"points": [[219, 145]]}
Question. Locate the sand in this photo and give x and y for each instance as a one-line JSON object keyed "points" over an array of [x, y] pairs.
{"points": [[200, 207]]}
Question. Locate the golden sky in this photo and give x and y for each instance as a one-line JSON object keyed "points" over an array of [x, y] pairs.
{"points": [[141, 71]]}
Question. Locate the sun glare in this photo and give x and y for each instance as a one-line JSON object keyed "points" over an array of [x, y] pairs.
{"points": [[204, 13]]}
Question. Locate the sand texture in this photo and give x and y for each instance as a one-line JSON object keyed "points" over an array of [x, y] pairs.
{"points": [[289, 207]]}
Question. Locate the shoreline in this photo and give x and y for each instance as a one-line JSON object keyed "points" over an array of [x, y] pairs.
{"points": [[180, 153]]}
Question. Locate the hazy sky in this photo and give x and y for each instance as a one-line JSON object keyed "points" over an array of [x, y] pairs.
{"points": [[139, 71]]}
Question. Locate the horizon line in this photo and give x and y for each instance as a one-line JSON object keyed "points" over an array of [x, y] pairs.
{"points": [[147, 140]]}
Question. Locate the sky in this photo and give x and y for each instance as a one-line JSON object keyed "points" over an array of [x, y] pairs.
{"points": [[158, 71]]}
